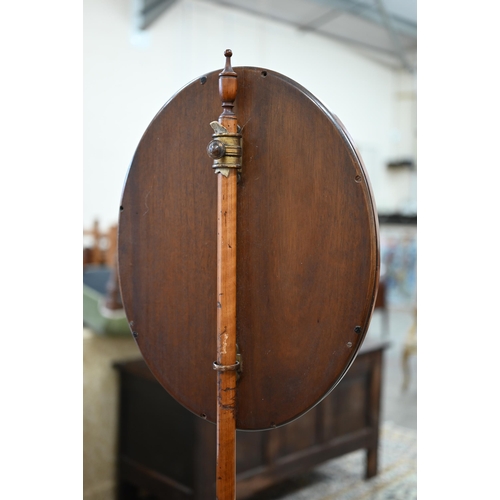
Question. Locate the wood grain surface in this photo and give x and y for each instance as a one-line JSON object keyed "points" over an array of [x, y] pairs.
{"points": [[308, 255]]}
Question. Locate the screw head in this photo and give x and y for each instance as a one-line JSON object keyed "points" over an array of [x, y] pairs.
{"points": [[357, 329], [216, 149]]}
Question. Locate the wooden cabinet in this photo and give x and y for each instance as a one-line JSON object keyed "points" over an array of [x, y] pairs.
{"points": [[168, 452]]}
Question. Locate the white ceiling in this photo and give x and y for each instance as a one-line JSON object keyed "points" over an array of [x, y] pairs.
{"points": [[382, 30]]}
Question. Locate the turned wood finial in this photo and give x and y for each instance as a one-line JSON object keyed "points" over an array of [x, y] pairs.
{"points": [[228, 87]]}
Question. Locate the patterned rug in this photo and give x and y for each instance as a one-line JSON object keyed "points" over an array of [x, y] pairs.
{"points": [[342, 478]]}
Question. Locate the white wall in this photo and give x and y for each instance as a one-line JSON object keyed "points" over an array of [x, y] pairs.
{"points": [[129, 76]]}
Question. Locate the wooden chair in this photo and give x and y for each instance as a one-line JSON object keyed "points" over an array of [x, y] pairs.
{"points": [[103, 245], [102, 251]]}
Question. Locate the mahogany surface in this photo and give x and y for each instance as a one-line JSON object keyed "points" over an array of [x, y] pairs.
{"points": [[308, 256]]}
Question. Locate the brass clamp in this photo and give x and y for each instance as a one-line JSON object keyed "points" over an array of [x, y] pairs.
{"points": [[237, 367], [226, 368], [225, 149]]}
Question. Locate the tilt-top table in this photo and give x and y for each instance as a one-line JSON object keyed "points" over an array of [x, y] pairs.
{"points": [[248, 275]]}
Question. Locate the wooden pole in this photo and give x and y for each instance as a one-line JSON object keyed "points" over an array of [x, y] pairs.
{"points": [[226, 305]]}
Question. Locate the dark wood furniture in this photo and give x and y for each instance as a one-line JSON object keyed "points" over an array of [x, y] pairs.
{"points": [[168, 452]]}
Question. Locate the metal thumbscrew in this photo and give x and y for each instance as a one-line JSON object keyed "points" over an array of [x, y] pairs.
{"points": [[216, 149]]}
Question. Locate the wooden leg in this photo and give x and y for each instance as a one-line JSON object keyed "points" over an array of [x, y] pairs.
{"points": [[371, 462], [375, 397]]}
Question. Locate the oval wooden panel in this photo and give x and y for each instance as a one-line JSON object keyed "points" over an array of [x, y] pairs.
{"points": [[308, 256]]}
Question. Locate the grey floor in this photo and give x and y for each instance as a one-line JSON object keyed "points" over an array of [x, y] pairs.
{"points": [[398, 406]]}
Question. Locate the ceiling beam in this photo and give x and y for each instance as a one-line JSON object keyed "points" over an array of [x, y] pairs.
{"points": [[152, 9], [371, 13], [147, 12], [302, 27], [394, 36]]}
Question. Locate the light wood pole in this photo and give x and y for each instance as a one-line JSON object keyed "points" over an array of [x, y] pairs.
{"points": [[226, 364]]}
